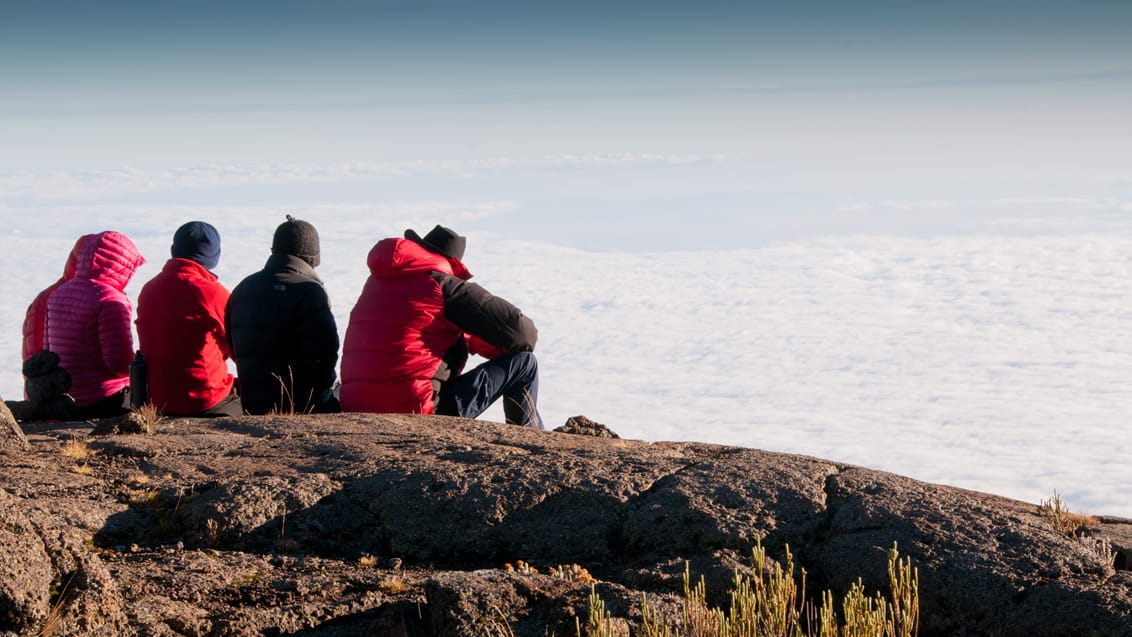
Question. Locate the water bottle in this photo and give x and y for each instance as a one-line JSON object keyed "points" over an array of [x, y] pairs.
{"points": [[139, 382]]}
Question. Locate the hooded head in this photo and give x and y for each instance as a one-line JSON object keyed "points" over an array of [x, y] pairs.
{"points": [[298, 238], [69, 268], [197, 241], [109, 257]]}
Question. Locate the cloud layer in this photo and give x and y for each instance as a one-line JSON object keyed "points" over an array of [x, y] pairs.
{"points": [[99, 183], [995, 363]]}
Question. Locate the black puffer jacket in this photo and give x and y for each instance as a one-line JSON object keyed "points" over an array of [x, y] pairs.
{"points": [[283, 338]]}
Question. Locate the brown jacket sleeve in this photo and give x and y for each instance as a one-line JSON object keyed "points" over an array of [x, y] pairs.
{"points": [[486, 316]]}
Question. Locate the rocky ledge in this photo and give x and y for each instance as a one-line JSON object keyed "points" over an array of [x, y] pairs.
{"points": [[358, 524]]}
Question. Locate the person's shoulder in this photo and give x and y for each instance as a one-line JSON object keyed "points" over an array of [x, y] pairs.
{"points": [[103, 294], [214, 288], [314, 291], [259, 277], [165, 277], [201, 286], [77, 290]]}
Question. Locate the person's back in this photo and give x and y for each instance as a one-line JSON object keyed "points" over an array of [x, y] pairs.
{"points": [[35, 320], [397, 338], [281, 330], [181, 329], [89, 319], [414, 325]]}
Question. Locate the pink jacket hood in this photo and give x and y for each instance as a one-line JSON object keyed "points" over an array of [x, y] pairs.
{"points": [[108, 257]]}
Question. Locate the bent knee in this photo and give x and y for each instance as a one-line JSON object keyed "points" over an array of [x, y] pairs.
{"points": [[526, 359]]}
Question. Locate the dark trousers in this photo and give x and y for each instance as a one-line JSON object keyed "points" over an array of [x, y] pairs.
{"points": [[513, 377], [229, 407], [113, 405]]}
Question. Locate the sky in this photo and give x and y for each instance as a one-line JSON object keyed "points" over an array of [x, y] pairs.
{"points": [[781, 120], [888, 233]]}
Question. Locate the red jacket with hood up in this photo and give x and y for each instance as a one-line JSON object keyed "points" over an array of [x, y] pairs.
{"points": [[89, 318], [416, 321], [181, 335], [35, 321]]}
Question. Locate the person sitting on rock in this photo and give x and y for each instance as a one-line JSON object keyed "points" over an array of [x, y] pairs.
{"points": [[181, 329], [281, 331], [35, 320], [89, 322], [414, 325]]}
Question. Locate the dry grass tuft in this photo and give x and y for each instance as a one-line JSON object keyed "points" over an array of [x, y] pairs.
{"points": [[150, 498], [498, 626], [76, 449], [148, 417], [80, 452], [54, 619], [287, 402], [530, 412], [212, 530], [138, 480], [393, 585]]}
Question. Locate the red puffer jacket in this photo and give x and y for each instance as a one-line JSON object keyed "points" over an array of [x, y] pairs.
{"points": [[181, 335], [35, 321], [416, 321], [88, 318]]}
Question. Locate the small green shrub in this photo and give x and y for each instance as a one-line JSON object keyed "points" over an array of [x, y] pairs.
{"points": [[1057, 512], [600, 623], [1071, 525], [765, 603]]}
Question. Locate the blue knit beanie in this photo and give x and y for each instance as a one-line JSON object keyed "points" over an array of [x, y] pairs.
{"points": [[198, 241]]}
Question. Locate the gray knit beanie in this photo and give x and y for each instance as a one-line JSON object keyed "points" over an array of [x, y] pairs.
{"points": [[298, 238]]}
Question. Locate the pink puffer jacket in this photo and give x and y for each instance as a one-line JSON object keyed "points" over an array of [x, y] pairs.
{"points": [[89, 318], [35, 321]]}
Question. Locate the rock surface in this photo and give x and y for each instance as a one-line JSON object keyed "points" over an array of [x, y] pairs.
{"points": [[357, 524], [583, 426], [11, 435]]}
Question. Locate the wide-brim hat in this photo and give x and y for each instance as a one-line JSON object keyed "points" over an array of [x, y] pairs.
{"points": [[441, 240]]}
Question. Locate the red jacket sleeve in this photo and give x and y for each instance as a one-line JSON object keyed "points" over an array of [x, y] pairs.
{"points": [[480, 347]]}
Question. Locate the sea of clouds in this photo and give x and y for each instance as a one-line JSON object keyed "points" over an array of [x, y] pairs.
{"points": [[995, 362]]}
